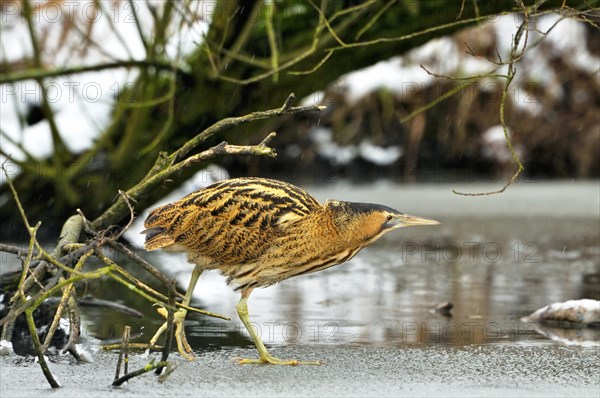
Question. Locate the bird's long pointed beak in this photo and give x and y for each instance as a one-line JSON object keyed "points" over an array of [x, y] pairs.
{"points": [[415, 220], [406, 220]]}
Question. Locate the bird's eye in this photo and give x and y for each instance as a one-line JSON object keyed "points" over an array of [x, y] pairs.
{"points": [[389, 218]]}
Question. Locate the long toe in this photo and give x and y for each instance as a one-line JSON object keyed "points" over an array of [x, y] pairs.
{"points": [[158, 333], [182, 345]]}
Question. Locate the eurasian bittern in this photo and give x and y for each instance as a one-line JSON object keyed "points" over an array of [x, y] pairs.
{"points": [[258, 232]]}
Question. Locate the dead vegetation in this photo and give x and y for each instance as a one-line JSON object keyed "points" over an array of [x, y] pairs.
{"points": [[44, 275]]}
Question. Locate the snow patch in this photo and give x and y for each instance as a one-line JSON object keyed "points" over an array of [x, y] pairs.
{"points": [[584, 311], [318, 97], [389, 74], [381, 156], [6, 348], [338, 154], [568, 41], [495, 146], [84, 355], [565, 254], [65, 325], [403, 75], [82, 103]]}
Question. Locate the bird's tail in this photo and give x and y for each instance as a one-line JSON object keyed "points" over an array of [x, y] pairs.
{"points": [[158, 228], [156, 238]]}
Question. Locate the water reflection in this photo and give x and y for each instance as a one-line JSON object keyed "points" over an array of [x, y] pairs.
{"points": [[385, 296]]}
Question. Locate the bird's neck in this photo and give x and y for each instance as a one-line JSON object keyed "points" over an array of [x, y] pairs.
{"points": [[353, 231]]}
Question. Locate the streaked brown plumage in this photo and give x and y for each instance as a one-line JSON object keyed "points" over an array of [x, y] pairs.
{"points": [[260, 231]]}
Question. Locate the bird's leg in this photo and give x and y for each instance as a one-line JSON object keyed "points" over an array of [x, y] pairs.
{"points": [[265, 357], [179, 318]]}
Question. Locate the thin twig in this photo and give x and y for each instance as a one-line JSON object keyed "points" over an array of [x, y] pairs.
{"points": [[29, 74], [288, 102], [230, 122], [170, 329], [470, 77], [8, 321], [169, 120], [130, 278], [272, 41], [140, 346], [514, 155], [439, 99], [348, 46], [20, 294], [140, 261], [60, 152], [327, 24], [374, 19], [148, 368], [139, 27], [352, 10], [67, 294], [328, 54], [38, 349], [74, 326], [166, 166], [39, 299], [6, 248], [119, 363], [126, 335], [127, 199], [15, 197], [133, 283], [514, 57]]}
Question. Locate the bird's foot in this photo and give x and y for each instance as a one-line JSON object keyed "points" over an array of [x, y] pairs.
{"points": [[182, 345], [268, 359]]}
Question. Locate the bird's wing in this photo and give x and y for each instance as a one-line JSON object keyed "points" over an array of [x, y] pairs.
{"points": [[233, 221]]}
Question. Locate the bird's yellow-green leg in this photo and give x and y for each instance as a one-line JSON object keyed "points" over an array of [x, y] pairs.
{"points": [[265, 357], [179, 318]]}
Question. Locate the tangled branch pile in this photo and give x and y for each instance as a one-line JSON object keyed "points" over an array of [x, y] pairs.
{"points": [[45, 274]]}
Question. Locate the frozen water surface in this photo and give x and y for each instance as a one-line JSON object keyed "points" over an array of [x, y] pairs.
{"points": [[496, 258]]}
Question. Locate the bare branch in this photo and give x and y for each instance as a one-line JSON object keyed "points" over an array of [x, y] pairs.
{"points": [[67, 295], [123, 354], [170, 329], [326, 22], [167, 165], [470, 77], [38, 349], [411, 35], [28, 74], [14, 249], [148, 368]]}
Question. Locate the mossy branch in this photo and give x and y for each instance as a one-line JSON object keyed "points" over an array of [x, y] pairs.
{"points": [[67, 294], [148, 368], [38, 349]]}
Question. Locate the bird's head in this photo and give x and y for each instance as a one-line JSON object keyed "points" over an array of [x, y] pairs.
{"points": [[368, 221]]}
